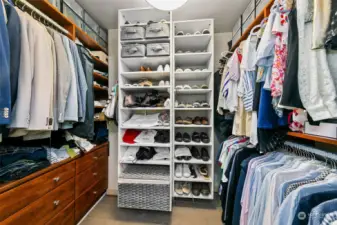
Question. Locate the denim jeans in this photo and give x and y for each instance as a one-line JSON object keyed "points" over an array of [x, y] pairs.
{"points": [[86, 129], [20, 169], [14, 35], [9, 158], [5, 94]]}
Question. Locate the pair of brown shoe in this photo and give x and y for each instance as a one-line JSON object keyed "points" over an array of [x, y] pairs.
{"points": [[200, 121], [143, 69]]}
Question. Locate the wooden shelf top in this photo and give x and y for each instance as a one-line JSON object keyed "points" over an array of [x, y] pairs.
{"points": [[313, 138], [100, 77], [265, 13], [100, 65], [54, 13], [87, 41], [13, 184]]}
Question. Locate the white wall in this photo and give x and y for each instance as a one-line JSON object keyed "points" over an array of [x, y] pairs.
{"points": [[220, 45], [113, 130]]}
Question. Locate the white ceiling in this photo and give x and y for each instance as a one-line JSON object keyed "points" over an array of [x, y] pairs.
{"points": [[225, 12]]}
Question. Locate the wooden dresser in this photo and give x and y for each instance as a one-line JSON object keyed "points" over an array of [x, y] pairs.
{"points": [[58, 195]]}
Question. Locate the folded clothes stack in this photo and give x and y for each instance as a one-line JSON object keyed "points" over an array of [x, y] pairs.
{"points": [[18, 162], [146, 153], [146, 136], [150, 120]]}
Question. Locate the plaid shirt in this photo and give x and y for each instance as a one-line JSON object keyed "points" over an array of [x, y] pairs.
{"points": [[293, 187], [329, 218]]}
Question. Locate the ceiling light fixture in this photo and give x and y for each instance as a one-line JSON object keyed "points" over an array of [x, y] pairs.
{"points": [[167, 5]]}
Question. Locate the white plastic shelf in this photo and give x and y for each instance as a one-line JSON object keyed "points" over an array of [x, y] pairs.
{"points": [[193, 161], [153, 75], [192, 143], [145, 109], [191, 179], [135, 63], [194, 41], [192, 91], [193, 59], [160, 145], [146, 41], [192, 109], [146, 128], [147, 162], [142, 181], [209, 197], [202, 75], [158, 88], [192, 126]]}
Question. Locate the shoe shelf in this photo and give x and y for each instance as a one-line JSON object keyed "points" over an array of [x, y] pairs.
{"points": [[186, 76], [209, 197], [191, 179], [193, 91], [192, 126], [158, 88], [159, 145], [146, 41], [194, 56], [147, 162], [139, 127], [195, 59], [193, 109], [153, 62], [153, 75], [192, 143], [195, 41], [193, 161], [138, 178], [145, 108]]}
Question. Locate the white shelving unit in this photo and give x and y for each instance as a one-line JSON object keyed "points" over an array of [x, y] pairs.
{"points": [[143, 184], [149, 184], [194, 52]]}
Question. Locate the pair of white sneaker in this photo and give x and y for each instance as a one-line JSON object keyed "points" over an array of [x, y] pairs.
{"points": [[182, 170], [161, 68], [164, 83]]}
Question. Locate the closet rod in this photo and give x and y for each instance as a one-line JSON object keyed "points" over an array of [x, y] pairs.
{"points": [[31, 7], [312, 150]]}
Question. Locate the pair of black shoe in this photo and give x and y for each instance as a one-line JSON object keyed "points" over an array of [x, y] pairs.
{"points": [[145, 153], [203, 137], [183, 137], [203, 154], [151, 99], [162, 136], [200, 188], [196, 137]]}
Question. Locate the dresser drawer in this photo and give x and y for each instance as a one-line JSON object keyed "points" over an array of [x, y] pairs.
{"points": [[91, 176], [25, 194], [65, 217], [45, 208], [88, 199], [88, 160]]}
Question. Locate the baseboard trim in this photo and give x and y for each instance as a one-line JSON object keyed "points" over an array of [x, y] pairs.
{"points": [[86, 215], [112, 192]]}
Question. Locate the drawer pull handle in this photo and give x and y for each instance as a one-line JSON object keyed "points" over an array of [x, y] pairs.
{"points": [[95, 174], [95, 157], [95, 192], [56, 179], [56, 203]]}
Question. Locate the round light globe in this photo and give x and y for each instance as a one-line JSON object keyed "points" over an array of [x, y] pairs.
{"points": [[167, 5]]}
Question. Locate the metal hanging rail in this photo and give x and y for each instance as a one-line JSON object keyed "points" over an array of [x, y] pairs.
{"points": [[41, 14]]}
